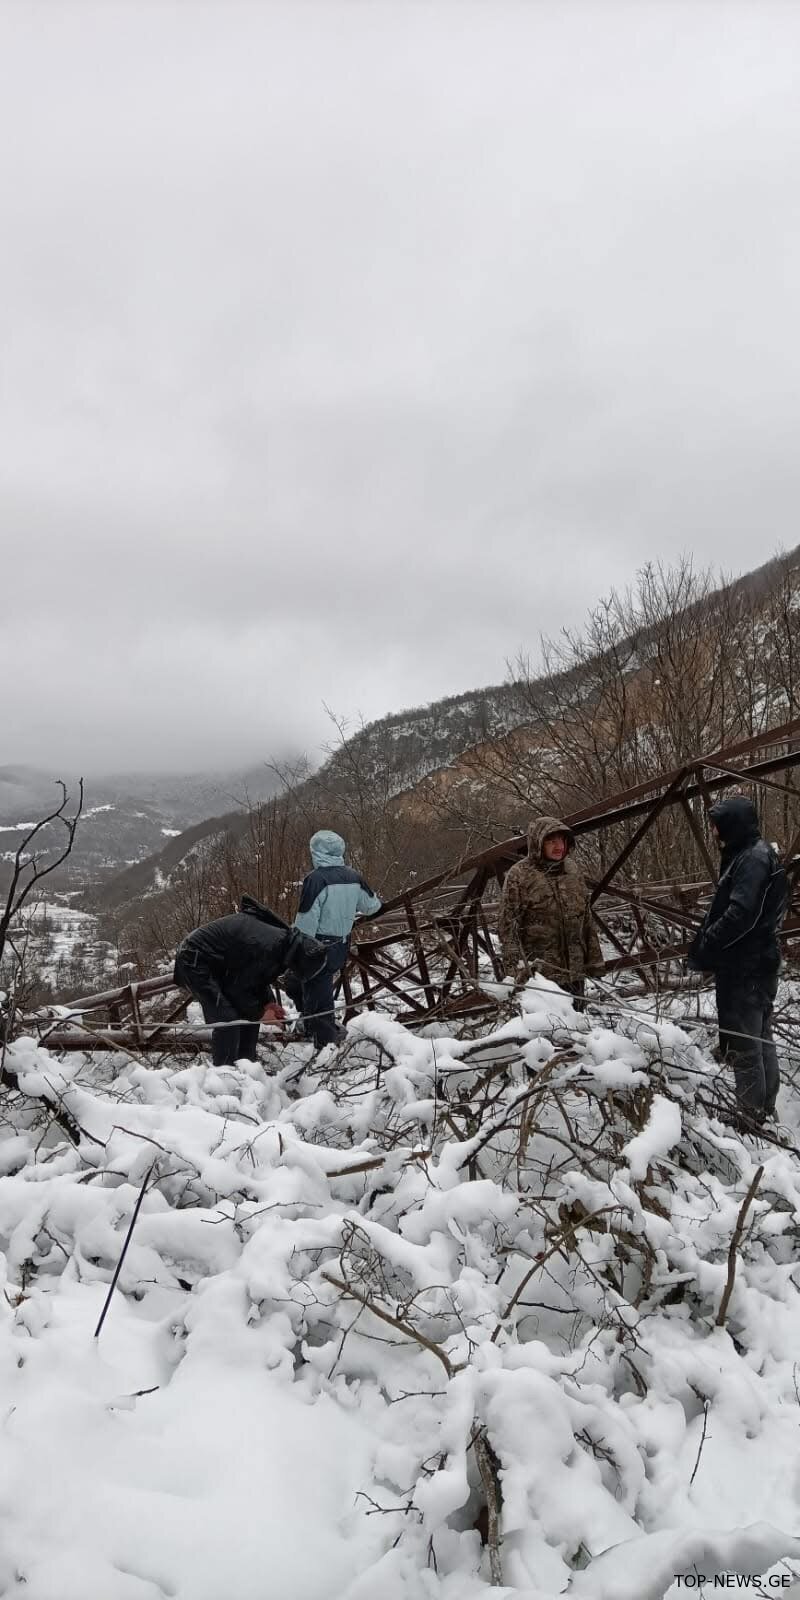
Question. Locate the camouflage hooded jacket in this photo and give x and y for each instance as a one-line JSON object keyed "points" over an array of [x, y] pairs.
{"points": [[545, 919]]}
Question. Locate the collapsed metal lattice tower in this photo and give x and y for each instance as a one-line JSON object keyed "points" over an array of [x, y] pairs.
{"points": [[448, 918], [430, 951]]}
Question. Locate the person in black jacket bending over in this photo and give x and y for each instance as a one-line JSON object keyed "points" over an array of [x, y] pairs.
{"points": [[738, 942], [230, 965]]}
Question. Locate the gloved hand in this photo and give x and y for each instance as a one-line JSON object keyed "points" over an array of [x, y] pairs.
{"points": [[274, 1014]]}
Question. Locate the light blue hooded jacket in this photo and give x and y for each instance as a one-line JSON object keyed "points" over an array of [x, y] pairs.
{"points": [[333, 895]]}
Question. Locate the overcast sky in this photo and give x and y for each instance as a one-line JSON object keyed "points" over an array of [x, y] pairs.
{"points": [[344, 348]]}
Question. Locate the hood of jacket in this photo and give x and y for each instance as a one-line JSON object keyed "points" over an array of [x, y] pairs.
{"points": [[736, 820], [253, 908], [327, 848], [542, 828]]}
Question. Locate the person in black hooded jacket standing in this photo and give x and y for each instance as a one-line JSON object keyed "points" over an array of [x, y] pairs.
{"points": [[738, 942], [230, 965]]}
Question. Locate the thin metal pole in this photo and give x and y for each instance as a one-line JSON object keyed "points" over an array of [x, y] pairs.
{"points": [[124, 1250]]}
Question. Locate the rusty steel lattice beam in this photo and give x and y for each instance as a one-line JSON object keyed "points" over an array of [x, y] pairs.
{"points": [[672, 908], [430, 953]]}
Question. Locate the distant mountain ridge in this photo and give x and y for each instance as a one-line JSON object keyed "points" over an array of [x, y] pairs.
{"points": [[126, 818], [400, 750]]}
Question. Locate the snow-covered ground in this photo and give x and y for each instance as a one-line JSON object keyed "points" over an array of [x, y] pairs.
{"points": [[399, 1322], [60, 945]]}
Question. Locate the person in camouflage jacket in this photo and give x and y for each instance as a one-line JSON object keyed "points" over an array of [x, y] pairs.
{"points": [[545, 921]]}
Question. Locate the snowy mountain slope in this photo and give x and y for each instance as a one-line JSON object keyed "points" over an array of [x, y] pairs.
{"points": [[409, 745], [126, 819], [434, 1313], [26, 791], [147, 876]]}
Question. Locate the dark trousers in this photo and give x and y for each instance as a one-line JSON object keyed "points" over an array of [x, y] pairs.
{"points": [[233, 1042], [314, 999], [744, 1012], [230, 1041]]}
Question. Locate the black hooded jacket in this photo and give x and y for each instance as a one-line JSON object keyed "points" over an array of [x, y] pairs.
{"points": [[238, 958], [739, 935]]}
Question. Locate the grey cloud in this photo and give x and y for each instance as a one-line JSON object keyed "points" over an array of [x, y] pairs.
{"points": [[344, 349]]}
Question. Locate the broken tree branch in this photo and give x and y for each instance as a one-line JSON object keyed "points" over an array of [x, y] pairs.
{"points": [[734, 1245], [393, 1322]]}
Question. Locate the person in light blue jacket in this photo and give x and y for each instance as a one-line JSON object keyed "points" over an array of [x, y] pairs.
{"points": [[331, 898]]}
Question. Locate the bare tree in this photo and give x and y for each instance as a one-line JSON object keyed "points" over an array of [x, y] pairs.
{"points": [[33, 861], [673, 667]]}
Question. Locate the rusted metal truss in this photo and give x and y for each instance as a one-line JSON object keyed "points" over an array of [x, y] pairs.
{"points": [[431, 947], [430, 952]]}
